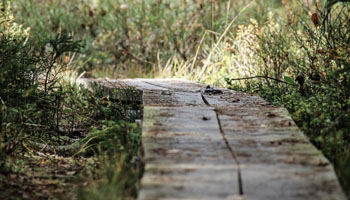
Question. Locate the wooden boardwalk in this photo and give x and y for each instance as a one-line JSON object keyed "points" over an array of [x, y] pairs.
{"points": [[207, 143]]}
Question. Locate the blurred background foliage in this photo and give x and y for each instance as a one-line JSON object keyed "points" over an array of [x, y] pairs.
{"points": [[135, 38], [245, 45]]}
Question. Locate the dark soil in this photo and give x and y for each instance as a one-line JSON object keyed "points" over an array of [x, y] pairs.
{"points": [[45, 176]]}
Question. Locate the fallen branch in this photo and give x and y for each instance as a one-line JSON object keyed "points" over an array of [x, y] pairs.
{"points": [[265, 77]]}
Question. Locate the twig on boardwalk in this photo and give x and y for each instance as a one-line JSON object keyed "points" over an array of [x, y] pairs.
{"points": [[265, 77]]}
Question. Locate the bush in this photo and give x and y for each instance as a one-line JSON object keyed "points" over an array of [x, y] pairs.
{"points": [[43, 108], [310, 71], [30, 91]]}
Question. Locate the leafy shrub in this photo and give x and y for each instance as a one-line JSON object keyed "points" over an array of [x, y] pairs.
{"points": [[42, 104], [313, 83], [29, 81]]}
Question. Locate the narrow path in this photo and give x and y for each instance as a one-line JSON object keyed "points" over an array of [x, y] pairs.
{"points": [[206, 143]]}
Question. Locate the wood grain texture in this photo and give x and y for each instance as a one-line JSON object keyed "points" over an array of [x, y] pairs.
{"points": [[214, 143]]}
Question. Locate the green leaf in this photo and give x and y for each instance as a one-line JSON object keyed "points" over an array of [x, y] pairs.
{"points": [[289, 80]]}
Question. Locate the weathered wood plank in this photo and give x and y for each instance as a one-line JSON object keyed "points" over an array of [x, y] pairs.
{"points": [[171, 99], [231, 98], [176, 85], [276, 160], [134, 83], [185, 155], [213, 143], [115, 89]]}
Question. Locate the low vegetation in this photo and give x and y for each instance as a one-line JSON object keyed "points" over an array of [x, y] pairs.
{"points": [[292, 53], [309, 57], [59, 139]]}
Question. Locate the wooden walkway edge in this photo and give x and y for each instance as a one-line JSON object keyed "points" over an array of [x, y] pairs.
{"points": [[211, 143]]}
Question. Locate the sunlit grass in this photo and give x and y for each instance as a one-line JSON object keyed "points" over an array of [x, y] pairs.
{"points": [[134, 38]]}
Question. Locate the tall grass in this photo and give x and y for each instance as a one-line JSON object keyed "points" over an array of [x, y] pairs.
{"points": [[134, 38], [214, 59]]}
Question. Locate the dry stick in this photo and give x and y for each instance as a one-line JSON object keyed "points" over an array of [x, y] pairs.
{"points": [[265, 77], [221, 37]]}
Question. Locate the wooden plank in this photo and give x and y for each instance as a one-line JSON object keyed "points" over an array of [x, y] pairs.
{"points": [[176, 85], [185, 155], [137, 84], [171, 99], [155, 92], [231, 98], [213, 143], [115, 89], [276, 160], [172, 93], [160, 84]]}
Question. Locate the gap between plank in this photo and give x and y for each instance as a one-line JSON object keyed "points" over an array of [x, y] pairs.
{"points": [[205, 100], [233, 154]]}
